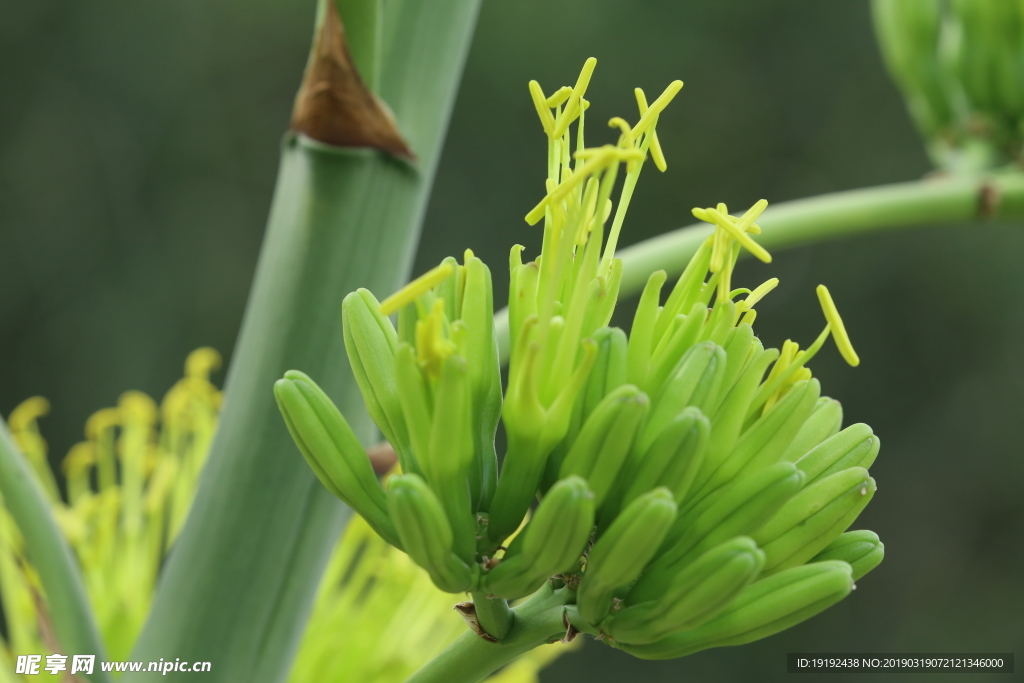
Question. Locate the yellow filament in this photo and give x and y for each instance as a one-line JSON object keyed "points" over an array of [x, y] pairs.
{"points": [[734, 229], [838, 329], [656, 108], [539, 101], [656, 152], [596, 160], [572, 106], [417, 288]]}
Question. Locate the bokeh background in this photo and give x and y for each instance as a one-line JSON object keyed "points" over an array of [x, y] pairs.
{"points": [[138, 149]]}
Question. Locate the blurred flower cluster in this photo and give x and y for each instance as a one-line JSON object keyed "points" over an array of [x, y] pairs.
{"points": [[129, 488], [960, 65]]}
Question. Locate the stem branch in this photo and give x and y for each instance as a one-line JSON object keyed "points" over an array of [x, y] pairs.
{"points": [[493, 614], [472, 658]]}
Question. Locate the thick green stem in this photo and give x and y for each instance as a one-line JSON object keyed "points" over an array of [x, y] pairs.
{"points": [[929, 201], [493, 614], [50, 554], [471, 658], [243, 574]]}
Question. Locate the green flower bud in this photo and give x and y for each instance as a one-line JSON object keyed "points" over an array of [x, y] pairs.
{"points": [[695, 381], [426, 534], [739, 509], [860, 549], [761, 609], [855, 446], [371, 342], [601, 448], [552, 542], [823, 422], [695, 595], [813, 518], [624, 550], [332, 450]]}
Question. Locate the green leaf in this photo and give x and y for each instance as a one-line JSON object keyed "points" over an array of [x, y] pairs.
{"points": [[50, 554]]}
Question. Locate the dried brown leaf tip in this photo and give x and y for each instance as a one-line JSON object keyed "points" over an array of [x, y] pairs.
{"points": [[334, 106]]}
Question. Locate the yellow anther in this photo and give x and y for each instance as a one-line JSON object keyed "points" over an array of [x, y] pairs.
{"points": [[27, 412], [559, 97], [137, 406], [754, 229], [760, 292], [700, 214], [748, 317], [466, 255], [656, 152], [417, 288], [732, 227], [100, 421], [572, 106], [81, 456], [838, 329], [623, 125], [656, 108], [596, 160], [543, 111], [202, 362], [751, 215], [432, 347]]}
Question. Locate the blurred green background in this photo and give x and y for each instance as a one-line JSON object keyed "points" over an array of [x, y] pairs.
{"points": [[138, 149]]}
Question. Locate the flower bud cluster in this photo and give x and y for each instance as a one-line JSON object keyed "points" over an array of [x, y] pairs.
{"points": [[694, 486], [959, 65]]}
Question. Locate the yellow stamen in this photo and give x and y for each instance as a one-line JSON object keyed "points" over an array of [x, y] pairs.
{"points": [[751, 215], [432, 347], [733, 227], [656, 152], [201, 363], [838, 329], [596, 160], [23, 417], [656, 108], [543, 111], [572, 106], [760, 292], [559, 97], [417, 288], [623, 125]]}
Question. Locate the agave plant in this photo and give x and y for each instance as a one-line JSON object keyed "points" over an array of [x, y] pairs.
{"points": [[694, 486]]}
